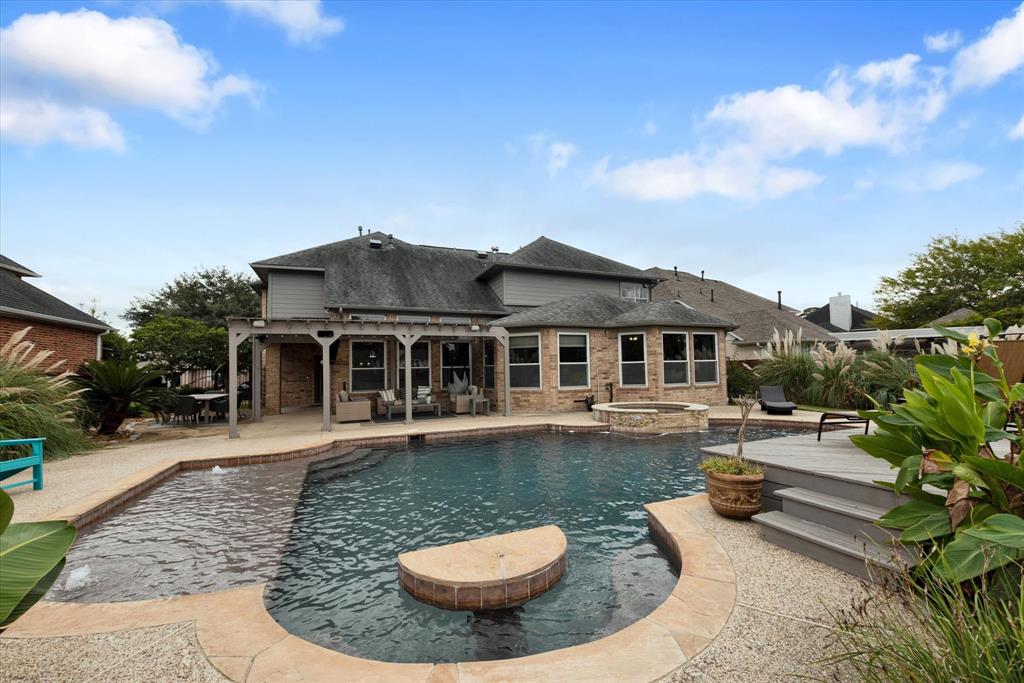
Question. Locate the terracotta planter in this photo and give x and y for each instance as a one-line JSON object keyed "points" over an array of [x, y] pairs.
{"points": [[737, 496]]}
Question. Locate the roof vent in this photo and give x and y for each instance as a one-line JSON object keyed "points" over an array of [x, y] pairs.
{"points": [[481, 254], [376, 244], [494, 249]]}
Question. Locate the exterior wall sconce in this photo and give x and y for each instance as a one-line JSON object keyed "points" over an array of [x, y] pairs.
{"points": [[259, 323]]}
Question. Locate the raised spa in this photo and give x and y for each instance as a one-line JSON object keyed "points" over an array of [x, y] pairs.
{"points": [[652, 417]]}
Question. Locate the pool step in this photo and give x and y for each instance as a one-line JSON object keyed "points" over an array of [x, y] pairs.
{"points": [[844, 551], [344, 465]]}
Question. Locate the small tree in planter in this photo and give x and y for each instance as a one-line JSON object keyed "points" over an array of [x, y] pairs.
{"points": [[734, 484]]}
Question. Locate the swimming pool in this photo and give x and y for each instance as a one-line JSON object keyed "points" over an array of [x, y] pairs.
{"points": [[335, 583]]}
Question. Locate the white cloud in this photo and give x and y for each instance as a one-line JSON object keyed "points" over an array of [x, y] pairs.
{"points": [[998, 53], [651, 128], [559, 155], [942, 42], [302, 20], [940, 176], [77, 64], [737, 172], [894, 73], [36, 122], [1017, 132]]}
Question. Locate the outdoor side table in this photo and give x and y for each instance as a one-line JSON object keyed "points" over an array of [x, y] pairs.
{"points": [[484, 402]]}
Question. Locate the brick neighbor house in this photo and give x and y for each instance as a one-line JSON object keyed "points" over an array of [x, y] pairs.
{"points": [[73, 335], [538, 329]]}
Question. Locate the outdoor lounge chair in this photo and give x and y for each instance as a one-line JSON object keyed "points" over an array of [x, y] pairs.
{"points": [[348, 409], [773, 400]]}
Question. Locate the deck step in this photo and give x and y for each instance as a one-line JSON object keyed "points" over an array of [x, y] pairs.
{"points": [[842, 514], [839, 549], [861, 492]]}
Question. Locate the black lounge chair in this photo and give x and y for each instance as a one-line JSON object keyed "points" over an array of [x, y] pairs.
{"points": [[773, 399]]}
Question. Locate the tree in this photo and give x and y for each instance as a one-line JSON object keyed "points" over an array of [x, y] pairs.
{"points": [[985, 274], [208, 296], [179, 344]]}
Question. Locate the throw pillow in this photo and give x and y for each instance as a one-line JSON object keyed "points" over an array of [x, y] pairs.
{"points": [[344, 396]]}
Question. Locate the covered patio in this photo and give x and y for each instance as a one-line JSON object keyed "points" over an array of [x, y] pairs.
{"points": [[323, 332]]}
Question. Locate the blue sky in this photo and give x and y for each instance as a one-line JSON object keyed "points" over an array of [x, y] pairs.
{"points": [[808, 147]]}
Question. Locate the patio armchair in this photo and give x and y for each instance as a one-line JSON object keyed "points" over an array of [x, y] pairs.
{"points": [[773, 400], [348, 409], [219, 407], [459, 403], [186, 408]]}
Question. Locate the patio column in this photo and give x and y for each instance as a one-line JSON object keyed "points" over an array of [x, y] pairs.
{"points": [[501, 335], [325, 346], [234, 339], [407, 340], [256, 380]]}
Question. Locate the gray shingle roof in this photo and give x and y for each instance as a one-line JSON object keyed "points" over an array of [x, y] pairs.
{"points": [[15, 267], [601, 310], [398, 276], [548, 254], [756, 317], [956, 316], [860, 317], [18, 298]]}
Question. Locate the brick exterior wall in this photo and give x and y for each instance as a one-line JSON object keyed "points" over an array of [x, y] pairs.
{"points": [[73, 345], [289, 368]]}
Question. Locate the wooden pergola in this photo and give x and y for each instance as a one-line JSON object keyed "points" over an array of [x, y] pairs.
{"points": [[325, 332]]}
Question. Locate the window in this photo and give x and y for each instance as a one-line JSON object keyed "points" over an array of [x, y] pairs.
{"points": [[489, 363], [455, 362], [634, 291], [705, 358], [368, 372], [413, 318], [366, 316], [524, 361], [446, 320], [573, 361], [674, 353], [420, 364], [632, 359]]}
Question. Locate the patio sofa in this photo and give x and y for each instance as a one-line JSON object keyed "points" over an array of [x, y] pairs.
{"points": [[348, 409]]}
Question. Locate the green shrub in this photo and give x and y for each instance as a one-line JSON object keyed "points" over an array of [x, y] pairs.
{"points": [[884, 376], [919, 629], [836, 381], [729, 465], [36, 402], [742, 379]]}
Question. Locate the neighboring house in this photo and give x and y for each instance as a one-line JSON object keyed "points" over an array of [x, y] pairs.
{"points": [[575, 323], [840, 315], [959, 315], [756, 318], [71, 334]]}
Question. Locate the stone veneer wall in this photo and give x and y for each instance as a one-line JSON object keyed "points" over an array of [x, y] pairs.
{"points": [[73, 345], [288, 373]]}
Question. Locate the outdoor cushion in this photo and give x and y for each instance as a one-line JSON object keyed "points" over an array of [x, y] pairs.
{"points": [[344, 396]]}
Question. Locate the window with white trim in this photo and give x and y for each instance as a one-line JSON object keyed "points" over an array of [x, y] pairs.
{"points": [[632, 359], [489, 363], [634, 291], [705, 358], [675, 358], [573, 360], [420, 364], [368, 373], [524, 361], [455, 362]]}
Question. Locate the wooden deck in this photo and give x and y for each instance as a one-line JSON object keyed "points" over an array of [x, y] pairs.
{"points": [[834, 457]]}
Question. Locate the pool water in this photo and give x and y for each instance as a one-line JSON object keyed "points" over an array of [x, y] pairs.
{"points": [[326, 534], [337, 582]]}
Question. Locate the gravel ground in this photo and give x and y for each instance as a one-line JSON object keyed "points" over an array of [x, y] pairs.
{"points": [[779, 628], [158, 653]]}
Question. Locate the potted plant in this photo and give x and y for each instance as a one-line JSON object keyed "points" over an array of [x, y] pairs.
{"points": [[734, 484]]}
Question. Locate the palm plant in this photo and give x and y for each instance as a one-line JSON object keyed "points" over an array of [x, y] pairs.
{"points": [[112, 387], [36, 399]]}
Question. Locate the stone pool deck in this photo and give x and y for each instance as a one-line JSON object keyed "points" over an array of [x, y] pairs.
{"points": [[742, 608]]}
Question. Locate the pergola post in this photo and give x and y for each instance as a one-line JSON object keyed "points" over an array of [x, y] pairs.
{"points": [[256, 380], [325, 346], [501, 334], [407, 340], [234, 339]]}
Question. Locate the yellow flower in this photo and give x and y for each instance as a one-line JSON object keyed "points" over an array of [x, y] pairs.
{"points": [[975, 344]]}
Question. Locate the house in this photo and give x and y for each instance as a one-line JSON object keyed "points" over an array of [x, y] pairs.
{"points": [[560, 323], [756, 318], [840, 315], [71, 334]]}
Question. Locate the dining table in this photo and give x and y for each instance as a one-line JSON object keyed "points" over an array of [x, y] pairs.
{"points": [[206, 399]]}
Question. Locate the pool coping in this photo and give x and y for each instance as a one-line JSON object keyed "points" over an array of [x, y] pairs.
{"points": [[244, 642]]}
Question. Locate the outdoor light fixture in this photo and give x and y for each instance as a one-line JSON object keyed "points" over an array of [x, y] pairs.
{"points": [[259, 323], [475, 328]]}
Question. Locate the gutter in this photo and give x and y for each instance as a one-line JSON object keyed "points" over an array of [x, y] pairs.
{"points": [[67, 322]]}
